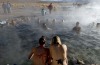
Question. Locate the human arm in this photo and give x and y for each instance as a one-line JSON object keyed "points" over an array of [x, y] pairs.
{"points": [[49, 59], [31, 54], [66, 56], [65, 53]]}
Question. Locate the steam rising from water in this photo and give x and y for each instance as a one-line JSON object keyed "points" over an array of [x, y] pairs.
{"points": [[16, 42]]}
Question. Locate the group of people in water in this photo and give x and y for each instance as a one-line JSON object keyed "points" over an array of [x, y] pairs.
{"points": [[76, 29], [6, 6], [56, 54]]}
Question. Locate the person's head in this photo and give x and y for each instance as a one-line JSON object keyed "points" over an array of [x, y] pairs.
{"points": [[50, 3], [42, 8], [56, 40], [77, 23], [42, 40], [44, 25]]}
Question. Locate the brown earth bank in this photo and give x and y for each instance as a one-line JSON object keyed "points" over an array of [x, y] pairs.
{"points": [[19, 0], [28, 1]]}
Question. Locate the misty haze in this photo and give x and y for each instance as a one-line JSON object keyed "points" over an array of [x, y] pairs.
{"points": [[25, 22]]}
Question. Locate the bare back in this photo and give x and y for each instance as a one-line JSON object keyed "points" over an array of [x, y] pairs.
{"points": [[39, 56], [59, 54]]}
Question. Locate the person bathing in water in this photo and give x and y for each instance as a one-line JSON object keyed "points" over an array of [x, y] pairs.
{"points": [[45, 27], [98, 26], [50, 7], [40, 55], [58, 52], [77, 28]]}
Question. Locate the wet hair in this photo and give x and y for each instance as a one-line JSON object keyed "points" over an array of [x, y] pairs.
{"points": [[56, 40], [42, 40]]}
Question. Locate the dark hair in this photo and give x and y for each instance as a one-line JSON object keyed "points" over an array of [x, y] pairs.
{"points": [[55, 39], [42, 40]]}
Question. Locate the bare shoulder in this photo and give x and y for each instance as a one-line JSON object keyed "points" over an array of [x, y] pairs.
{"points": [[64, 46], [33, 49]]}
